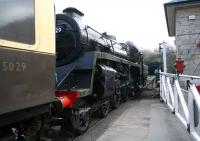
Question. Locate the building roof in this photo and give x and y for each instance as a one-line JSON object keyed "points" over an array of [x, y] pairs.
{"points": [[175, 1], [170, 12]]}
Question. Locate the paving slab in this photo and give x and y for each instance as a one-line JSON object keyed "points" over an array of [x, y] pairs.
{"points": [[144, 119]]}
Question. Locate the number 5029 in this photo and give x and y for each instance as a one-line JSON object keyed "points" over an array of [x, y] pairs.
{"points": [[13, 66]]}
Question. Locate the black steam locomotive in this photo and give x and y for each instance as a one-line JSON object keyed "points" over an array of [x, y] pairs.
{"points": [[93, 70]]}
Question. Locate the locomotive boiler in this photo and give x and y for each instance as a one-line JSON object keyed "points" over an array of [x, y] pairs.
{"points": [[74, 37], [93, 70]]}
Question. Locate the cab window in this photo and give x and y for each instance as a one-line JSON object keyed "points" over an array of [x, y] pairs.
{"points": [[17, 21]]}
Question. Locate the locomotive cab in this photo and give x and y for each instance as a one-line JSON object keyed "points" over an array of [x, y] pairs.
{"points": [[27, 58]]}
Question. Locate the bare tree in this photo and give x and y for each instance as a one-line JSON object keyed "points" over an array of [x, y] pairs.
{"points": [[153, 58]]}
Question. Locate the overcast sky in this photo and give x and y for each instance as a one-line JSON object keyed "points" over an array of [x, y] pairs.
{"points": [[140, 21]]}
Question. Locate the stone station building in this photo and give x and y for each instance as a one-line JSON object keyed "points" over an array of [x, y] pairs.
{"points": [[183, 22]]}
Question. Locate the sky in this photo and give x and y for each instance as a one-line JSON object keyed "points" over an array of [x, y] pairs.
{"points": [[140, 21]]}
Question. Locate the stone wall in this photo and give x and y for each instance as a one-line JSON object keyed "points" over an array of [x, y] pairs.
{"points": [[187, 36]]}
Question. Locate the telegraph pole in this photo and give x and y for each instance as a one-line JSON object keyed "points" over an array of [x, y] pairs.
{"points": [[163, 48]]}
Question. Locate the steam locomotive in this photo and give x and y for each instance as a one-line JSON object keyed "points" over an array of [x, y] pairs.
{"points": [[93, 70]]}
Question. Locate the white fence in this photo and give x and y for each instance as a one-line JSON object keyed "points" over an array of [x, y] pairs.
{"points": [[184, 103]]}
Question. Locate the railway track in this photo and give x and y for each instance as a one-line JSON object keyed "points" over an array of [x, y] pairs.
{"points": [[56, 133]]}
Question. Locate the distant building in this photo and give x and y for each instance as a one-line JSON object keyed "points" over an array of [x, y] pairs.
{"points": [[183, 22]]}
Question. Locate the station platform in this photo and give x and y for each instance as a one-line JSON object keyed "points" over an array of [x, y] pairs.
{"points": [[144, 119]]}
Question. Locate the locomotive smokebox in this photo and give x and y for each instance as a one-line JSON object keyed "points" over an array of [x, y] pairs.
{"points": [[68, 35]]}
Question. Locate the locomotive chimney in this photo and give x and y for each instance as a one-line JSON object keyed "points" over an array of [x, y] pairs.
{"points": [[74, 13]]}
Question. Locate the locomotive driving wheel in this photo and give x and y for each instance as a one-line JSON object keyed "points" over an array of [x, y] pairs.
{"points": [[116, 98], [79, 119], [131, 93], [104, 108], [124, 93]]}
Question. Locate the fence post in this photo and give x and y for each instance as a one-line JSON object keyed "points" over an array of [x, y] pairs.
{"points": [[171, 94], [161, 90], [164, 89], [167, 91], [191, 111], [175, 100]]}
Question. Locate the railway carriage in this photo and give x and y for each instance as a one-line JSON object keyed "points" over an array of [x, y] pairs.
{"points": [[27, 65]]}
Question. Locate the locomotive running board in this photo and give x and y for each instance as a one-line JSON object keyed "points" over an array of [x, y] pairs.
{"points": [[86, 62]]}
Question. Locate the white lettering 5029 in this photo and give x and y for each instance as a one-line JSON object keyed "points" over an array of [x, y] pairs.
{"points": [[13, 66]]}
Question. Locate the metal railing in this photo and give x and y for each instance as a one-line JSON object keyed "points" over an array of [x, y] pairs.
{"points": [[184, 103], [151, 82]]}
